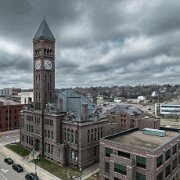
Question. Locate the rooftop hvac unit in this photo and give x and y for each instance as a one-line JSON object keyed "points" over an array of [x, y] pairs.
{"points": [[154, 132]]}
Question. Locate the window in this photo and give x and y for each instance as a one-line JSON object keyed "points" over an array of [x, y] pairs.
{"points": [[68, 135], [52, 149], [174, 164], [101, 131], [141, 161], [159, 160], [168, 170], [76, 137], [174, 149], [160, 176], [107, 167], [88, 138], [140, 176], [108, 151], [95, 150], [45, 132], [120, 168], [72, 136], [52, 135], [124, 154], [91, 137], [115, 178], [48, 134], [168, 154], [74, 155], [48, 148]]}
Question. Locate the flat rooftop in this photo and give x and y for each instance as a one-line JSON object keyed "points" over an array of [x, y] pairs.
{"points": [[138, 139]]}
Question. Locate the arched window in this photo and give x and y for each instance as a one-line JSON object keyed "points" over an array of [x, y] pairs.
{"points": [[51, 52], [47, 51], [44, 50]]}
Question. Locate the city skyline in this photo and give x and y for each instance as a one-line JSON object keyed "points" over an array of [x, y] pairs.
{"points": [[98, 43]]}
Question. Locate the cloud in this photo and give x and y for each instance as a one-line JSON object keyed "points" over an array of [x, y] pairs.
{"points": [[98, 42]]}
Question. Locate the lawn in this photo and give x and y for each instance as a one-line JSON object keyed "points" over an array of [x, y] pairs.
{"points": [[61, 172], [170, 119], [17, 148]]}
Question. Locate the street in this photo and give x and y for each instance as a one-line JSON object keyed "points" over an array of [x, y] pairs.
{"points": [[7, 173]]}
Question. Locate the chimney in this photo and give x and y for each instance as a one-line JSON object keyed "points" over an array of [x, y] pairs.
{"points": [[29, 100], [85, 112], [60, 105]]}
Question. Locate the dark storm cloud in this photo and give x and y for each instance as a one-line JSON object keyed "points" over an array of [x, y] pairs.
{"points": [[98, 42]]}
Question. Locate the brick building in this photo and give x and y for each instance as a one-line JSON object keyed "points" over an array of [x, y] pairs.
{"points": [[11, 112], [133, 155], [64, 127], [127, 117]]}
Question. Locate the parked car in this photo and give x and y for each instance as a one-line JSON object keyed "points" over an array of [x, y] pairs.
{"points": [[31, 176], [17, 167], [8, 160]]}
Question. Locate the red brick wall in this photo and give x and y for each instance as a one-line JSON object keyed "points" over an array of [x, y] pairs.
{"points": [[13, 117]]}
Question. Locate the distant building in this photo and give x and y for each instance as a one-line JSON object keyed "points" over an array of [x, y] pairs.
{"points": [[170, 110], [9, 91], [133, 155], [119, 99], [157, 109], [10, 112], [141, 99], [127, 117], [26, 96]]}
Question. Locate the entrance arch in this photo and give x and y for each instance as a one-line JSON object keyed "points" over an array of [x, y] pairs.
{"points": [[37, 145]]}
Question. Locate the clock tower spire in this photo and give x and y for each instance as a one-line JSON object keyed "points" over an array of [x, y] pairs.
{"points": [[43, 66]]}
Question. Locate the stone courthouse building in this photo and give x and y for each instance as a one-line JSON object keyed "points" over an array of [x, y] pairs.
{"points": [[64, 127]]}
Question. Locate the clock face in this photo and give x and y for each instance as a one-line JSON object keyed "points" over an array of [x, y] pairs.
{"points": [[47, 64], [37, 64]]}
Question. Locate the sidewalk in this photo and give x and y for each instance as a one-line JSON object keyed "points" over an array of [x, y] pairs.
{"points": [[29, 167], [43, 174], [89, 171]]}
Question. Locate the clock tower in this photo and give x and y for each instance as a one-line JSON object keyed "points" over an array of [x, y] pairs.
{"points": [[43, 66]]}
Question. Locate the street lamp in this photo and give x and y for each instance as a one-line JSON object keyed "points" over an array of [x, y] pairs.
{"points": [[81, 170]]}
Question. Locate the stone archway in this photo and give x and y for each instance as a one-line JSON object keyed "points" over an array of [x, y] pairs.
{"points": [[37, 145]]}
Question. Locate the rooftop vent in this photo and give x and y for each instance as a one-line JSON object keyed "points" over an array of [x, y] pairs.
{"points": [[154, 132]]}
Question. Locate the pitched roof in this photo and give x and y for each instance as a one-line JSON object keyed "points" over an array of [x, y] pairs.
{"points": [[44, 31], [126, 108]]}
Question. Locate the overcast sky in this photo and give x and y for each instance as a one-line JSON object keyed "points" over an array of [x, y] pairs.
{"points": [[98, 42]]}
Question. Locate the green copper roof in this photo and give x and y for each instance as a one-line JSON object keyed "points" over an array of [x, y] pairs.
{"points": [[44, 31]]}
